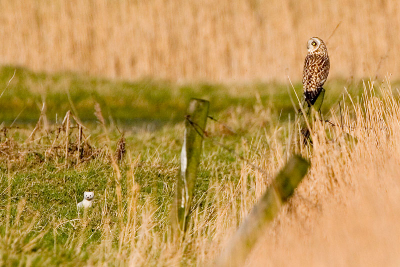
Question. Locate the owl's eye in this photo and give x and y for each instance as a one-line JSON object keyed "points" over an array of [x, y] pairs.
{"points": [[314, 43]]}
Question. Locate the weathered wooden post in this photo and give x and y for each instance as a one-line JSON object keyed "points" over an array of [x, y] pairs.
{"points": [[318, 103], [306, 119], [195, 123], [263, 212]]}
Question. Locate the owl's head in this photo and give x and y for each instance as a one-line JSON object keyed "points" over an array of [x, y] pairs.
{"points": [[88, 195], [316, 46]]}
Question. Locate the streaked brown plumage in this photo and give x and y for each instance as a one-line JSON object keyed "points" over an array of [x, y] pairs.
{"points": [[316, 69]]}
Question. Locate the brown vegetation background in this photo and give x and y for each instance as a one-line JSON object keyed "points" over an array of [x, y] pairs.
{"points": [[208, 40]]}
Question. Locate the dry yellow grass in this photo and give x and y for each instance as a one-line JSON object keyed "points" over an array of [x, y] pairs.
{"points": [[346, 212], [199, 40]]}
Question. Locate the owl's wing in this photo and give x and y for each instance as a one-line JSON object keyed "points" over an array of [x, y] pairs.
{"points": [[306, 70], [323, 71]]}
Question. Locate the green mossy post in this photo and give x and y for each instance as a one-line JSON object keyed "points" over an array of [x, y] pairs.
{"points": [[264, 212], [195, 124]]}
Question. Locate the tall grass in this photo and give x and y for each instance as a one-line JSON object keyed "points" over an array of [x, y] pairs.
{"points": [[199, 40], [344, 213]]}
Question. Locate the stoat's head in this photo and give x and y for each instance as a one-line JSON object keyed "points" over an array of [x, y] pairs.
{"points": [[88, 195]]}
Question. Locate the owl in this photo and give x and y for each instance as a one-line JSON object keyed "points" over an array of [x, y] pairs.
{"points": [[316, 69]]}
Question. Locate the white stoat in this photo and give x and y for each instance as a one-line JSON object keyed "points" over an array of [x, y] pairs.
{"points": [[87, 200]]}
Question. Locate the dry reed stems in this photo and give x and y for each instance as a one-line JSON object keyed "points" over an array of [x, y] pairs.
{"points": [[345, 212], [199, 40]]}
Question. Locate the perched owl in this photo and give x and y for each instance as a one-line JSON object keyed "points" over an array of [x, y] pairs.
{"points": [[316, 69]]}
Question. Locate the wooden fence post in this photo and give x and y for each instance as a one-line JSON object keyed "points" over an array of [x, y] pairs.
{"points": [[263, 212], [195, 123], [306, 119]]}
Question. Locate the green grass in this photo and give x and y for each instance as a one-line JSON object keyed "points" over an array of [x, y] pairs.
{"points": [[258, 113], [53, 190], [141, 102]]}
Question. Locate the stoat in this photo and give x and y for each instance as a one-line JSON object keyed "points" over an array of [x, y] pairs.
{"points": [[87, 200]]}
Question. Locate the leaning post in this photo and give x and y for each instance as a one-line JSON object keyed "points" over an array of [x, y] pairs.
{"points": [[195, 124], [263, 213]]}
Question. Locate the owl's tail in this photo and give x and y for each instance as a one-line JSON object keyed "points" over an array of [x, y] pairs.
{"points": [[311, 96]]}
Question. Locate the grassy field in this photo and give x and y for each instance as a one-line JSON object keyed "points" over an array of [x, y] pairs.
{"points": [[345, 209], [80, 79], [143, 102]]}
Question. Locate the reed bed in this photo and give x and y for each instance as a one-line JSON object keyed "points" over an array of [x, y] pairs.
{"points": [[179, 40]]}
